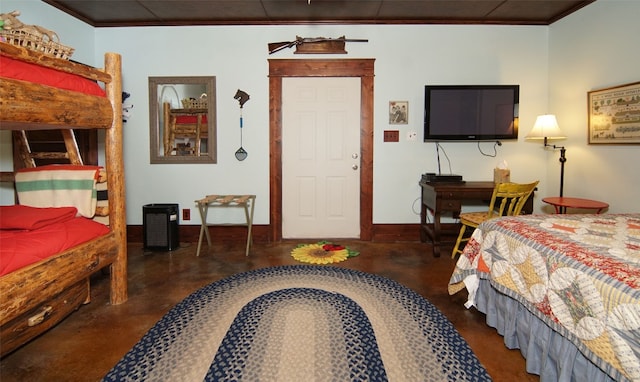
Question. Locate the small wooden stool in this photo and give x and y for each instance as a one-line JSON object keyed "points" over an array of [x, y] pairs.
{"points": [[245, 201]]}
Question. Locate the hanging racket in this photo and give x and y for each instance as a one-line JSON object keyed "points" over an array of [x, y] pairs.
{"points": [[241, 153], [242, 97]]}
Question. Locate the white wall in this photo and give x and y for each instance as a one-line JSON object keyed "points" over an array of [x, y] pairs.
{"points": [[238, 56], [407, 58], [595, 48]]}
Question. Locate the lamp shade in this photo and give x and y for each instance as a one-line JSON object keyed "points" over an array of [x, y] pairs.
{"points": [[546, 126]]}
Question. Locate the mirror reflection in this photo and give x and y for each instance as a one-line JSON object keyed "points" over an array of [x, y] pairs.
{"points": [[182, 119]]}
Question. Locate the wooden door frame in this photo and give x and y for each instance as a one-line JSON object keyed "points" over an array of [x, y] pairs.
{"points": [[280, 68]]}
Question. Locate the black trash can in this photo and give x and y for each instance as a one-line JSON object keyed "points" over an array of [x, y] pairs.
{"points": [[160, 223]]}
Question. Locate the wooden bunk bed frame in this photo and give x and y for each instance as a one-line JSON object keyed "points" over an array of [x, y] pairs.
{"points": [[38, 296], [174, 129]]}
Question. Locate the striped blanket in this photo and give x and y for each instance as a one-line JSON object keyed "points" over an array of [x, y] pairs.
{"points": [[59, 186]]}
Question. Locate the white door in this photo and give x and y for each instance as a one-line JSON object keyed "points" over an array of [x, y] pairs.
{"points": [[321, 157]]}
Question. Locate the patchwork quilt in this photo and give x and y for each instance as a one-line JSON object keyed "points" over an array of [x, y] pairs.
{"points": [[578, 273]]}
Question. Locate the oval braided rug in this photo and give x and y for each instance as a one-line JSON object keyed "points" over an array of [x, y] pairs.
{"points": [[302, 323]]}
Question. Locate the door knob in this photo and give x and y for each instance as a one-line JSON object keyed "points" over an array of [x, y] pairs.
{"points": [[354, 155], [355, 167]]}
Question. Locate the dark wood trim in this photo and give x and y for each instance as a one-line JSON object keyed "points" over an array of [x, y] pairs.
{"points": [[363, 68], [261, 233], [225, 232]]}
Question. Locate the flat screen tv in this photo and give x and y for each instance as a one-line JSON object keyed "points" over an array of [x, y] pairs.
{"points": [[471, 112]]}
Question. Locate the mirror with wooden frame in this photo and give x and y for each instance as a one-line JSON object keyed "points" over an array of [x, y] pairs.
{"points": [[182, 116]]}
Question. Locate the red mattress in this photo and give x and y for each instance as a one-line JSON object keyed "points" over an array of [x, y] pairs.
{"points": [[184, 119], [24, 71], [30, 234]]}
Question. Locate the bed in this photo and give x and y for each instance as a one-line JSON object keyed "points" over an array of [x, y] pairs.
{"points": [[184, 124], [38, 295], [564, 289]]}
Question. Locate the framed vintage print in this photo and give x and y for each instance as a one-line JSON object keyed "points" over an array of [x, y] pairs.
{"points": [[614, 115], [398, 112]]}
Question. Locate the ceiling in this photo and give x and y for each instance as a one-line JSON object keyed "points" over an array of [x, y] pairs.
{"points": [[112, 13]]}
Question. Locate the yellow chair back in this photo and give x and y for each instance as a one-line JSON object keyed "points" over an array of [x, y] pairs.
{"points": [[509, 198]]}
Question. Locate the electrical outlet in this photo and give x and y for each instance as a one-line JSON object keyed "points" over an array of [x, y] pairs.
{"points": [[186, 214], [391, 136], [412, 136]]}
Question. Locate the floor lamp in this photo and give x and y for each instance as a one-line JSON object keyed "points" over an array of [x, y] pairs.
{"points": [[546, 127]]}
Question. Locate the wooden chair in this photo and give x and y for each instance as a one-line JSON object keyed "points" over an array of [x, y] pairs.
{"points": [[507, 200]]}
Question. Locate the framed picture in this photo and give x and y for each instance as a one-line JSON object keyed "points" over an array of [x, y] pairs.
{"points": [[614, 115], [398, 112]]}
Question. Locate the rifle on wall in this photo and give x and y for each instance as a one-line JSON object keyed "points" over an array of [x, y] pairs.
{"points": [[313, 45]]}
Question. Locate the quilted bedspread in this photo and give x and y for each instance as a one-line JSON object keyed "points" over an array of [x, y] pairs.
{"points": [[578, 273]]}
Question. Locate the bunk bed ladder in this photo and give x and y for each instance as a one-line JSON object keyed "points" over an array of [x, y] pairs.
{"points": [[72, 153]]}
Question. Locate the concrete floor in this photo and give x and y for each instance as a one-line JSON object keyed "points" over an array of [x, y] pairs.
{"points": [[90, 341]]}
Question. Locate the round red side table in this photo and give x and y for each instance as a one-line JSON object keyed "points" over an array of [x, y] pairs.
{"points": [[561, 203]]}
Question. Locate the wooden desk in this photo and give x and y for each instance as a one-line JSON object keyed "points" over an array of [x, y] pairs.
{"points": [[442, 198], [561, 204]]}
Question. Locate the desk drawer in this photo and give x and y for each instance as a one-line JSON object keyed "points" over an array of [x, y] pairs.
{"points": [[449, 205], [446, 194]]}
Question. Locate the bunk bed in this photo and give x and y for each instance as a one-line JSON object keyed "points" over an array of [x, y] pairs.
{"points": [[189, 123], [37, 296]]}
